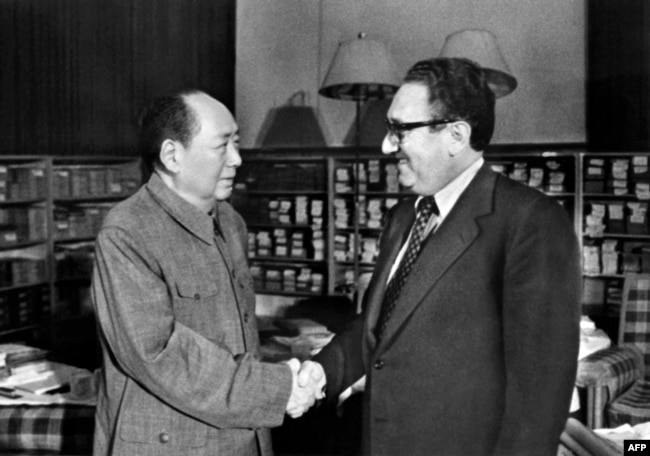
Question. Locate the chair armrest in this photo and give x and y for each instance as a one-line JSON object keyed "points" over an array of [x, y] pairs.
{"points": [[614, 368]]}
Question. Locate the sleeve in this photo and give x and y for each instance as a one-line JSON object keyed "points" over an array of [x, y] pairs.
{"points": [[342, 360], [541, 312], [177, 365]]}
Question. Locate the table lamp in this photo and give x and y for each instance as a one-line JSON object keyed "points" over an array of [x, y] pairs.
{"points": [[481, 47], [362, 70]]}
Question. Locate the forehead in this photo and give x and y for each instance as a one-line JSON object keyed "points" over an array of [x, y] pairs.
{"points": [[214, 117], [410, 103]]}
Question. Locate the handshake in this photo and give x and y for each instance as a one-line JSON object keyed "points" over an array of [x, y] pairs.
{"points": [[308, 386]]}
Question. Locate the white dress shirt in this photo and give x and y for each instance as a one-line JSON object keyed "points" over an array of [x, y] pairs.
{"points": [[445, 199]]}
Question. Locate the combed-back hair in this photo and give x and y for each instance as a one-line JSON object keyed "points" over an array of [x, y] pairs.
{"points": [[166, 117], [458, 90]]}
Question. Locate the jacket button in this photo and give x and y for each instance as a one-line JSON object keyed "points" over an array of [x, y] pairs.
{"points": [[246, 317], [197, 296], [379, 364], [163, 437]]}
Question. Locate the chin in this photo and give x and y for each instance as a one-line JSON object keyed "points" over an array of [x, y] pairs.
{"points": [[221, 195]]}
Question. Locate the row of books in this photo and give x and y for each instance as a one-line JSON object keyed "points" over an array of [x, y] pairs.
{"points": [[22, 182], [298, 210], [24, 307], [22, 271], [372, 177], [617, 175], [612, 257], [616, 217], [81, 181], [290, 279], [79, 221], [287, 243], [345, 246], [22, 225], [549, 175], [370, 211]]}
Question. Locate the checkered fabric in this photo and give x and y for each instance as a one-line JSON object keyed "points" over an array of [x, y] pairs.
{"points": [[633, 406], [615, 368], [57, 429], [636, 317], [426, 208]]}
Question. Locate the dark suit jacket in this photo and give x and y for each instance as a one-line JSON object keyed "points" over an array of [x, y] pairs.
{"points": [[479, 356]]}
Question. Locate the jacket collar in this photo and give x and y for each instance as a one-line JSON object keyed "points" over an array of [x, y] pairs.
{"points": [[191, 218]]}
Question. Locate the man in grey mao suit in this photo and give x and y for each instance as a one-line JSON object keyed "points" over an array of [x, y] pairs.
{"points": [[175, 303], [479, 353]]}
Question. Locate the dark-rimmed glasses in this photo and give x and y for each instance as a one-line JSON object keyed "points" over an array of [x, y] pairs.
{"points": [[396, 130]]}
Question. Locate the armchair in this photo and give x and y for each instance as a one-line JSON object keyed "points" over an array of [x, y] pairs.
{"points": [[617, 379]]}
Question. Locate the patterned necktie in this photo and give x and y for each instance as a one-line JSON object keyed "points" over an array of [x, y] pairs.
{"points": [[426, 207]]}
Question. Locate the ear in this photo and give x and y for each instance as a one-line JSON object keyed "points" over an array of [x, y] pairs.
{"points": [[170, 155], [460, 134]]}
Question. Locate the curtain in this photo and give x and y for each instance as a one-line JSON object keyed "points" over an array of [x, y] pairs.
{"points": [[74, 74]]}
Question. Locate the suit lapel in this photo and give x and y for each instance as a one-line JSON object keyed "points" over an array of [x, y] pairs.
{"points": [[395, 235], [443, 248]]}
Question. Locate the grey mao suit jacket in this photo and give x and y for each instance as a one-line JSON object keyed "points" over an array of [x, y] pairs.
{"points": [[176, 313]]}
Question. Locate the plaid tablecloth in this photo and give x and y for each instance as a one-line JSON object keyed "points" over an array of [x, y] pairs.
{"points": [[52, 429]]}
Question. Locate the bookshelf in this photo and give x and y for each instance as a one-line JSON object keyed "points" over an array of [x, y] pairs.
{"points": [[51, 209], [615, 227], [352, 220]]}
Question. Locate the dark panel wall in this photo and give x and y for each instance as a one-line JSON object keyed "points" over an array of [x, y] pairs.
{"points": [[618, 76], [74, 74]]}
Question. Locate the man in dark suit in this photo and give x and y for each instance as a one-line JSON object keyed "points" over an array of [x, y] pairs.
{"points": [[468, 342]]}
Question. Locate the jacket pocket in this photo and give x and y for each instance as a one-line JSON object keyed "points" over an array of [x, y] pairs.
{"points": [[196, 290], [162, 430], [200, 307]]}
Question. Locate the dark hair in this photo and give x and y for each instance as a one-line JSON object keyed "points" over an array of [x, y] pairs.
{"points": [[458, 89], [167, 117]]}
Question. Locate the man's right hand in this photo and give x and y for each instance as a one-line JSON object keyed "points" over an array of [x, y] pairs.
{"points": [[308, 386]]}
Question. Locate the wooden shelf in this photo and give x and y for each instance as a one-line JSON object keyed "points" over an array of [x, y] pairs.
{"points": [[23, 286], [91, 199], [21, 245], [285, 260]]}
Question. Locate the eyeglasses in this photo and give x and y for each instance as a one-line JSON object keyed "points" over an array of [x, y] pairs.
{"points": [[396, 130]]}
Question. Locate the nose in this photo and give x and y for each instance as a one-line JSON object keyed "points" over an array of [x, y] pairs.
{"points": [[388, 146], [234, 158]]}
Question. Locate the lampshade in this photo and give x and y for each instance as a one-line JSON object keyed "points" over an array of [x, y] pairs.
{"points": [[481, 47], [292, 125], [362, 69]]}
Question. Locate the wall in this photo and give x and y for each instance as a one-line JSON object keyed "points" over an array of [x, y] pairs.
{"points": [[76, 73], [285, 46]]}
